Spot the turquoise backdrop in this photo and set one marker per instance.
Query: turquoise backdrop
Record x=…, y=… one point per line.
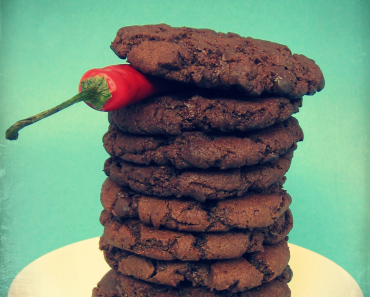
x=52, y=175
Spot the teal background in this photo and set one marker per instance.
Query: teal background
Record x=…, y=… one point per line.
x=52, y=175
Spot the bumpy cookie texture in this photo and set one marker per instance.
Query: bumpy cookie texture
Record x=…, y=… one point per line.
x=197, y=149
x=250, y=211
x=200, y=184
x=236, y=275
x=131, y=235
x=282, y=226
x=162, y=244
x=176, y=113
x=130, y=287
x=217, y=60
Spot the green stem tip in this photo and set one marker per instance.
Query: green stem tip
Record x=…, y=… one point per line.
x=94, y=90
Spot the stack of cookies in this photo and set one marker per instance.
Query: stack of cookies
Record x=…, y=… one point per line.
x=194, y=203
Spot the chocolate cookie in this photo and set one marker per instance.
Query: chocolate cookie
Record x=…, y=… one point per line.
x=274, y=232
x=134, y=236
x=235, y=275
x=200, y=184
x=217, y=60
x=176, y=113
x=130, y=287
x=252, y=210
x=197, y=149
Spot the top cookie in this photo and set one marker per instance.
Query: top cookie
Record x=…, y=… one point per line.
x=216, y=60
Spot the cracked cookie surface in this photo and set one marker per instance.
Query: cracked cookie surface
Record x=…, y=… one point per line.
x=252, y=210
x=197, y=149
x=200, y=184
x=161, y=244
x=235, y=275
x=176, y=113
x=217, y=60
x=131, y=287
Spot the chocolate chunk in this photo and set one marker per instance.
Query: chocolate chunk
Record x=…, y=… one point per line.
x=122, y=207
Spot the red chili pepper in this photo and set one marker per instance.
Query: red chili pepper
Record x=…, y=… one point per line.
x=125, y=84
x=106, y=89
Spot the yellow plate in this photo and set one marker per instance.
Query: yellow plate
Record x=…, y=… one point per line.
x=74, y=270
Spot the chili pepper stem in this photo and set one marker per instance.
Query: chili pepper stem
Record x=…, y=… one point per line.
x=12, y=132
x=94, y=90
